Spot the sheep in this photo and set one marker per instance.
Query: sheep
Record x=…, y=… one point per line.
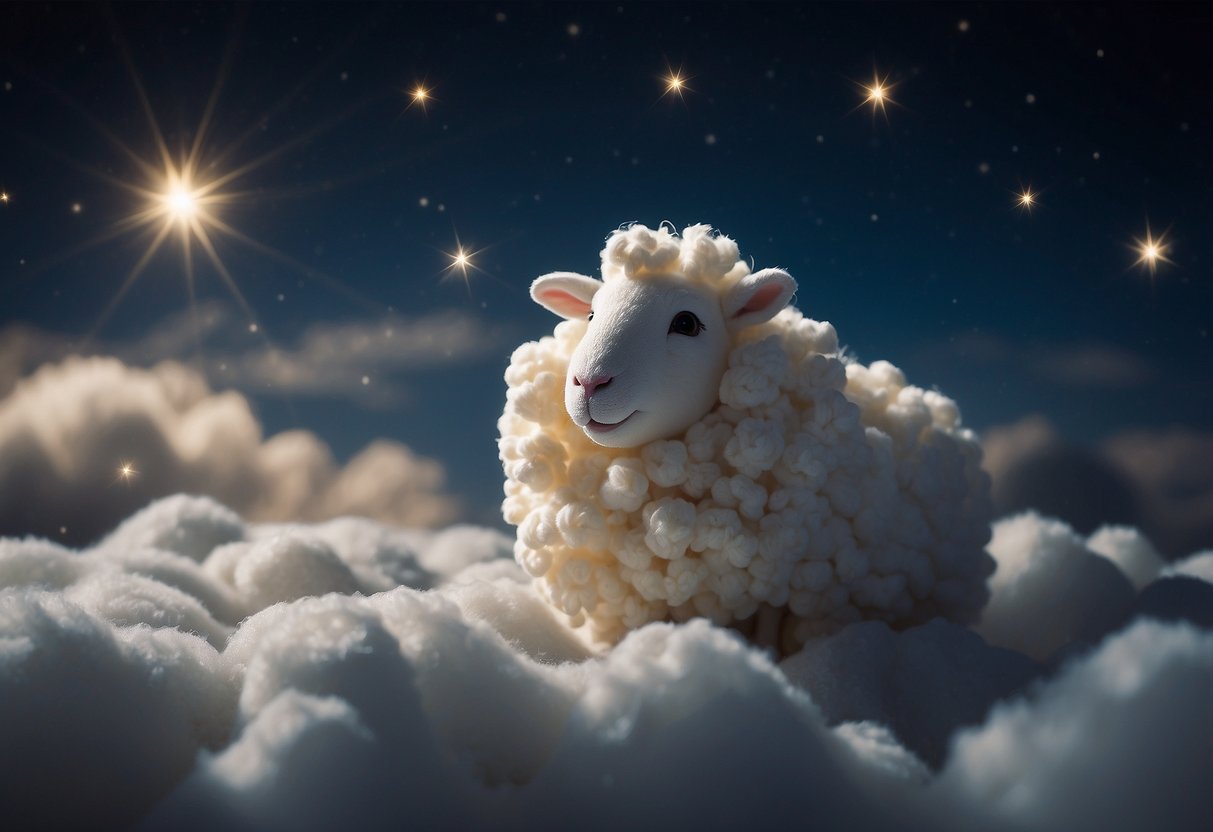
x=687, y=444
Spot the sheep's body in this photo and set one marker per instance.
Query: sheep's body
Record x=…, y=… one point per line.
x=827, y=491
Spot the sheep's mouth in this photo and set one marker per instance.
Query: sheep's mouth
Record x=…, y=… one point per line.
x=602, y=427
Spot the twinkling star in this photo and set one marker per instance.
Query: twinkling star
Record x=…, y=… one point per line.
x=675, y=83
x=126, y=471
x=4, y=197
x=1151, y=251
x=421, y=95
x=1026, y=199
x=878, y=93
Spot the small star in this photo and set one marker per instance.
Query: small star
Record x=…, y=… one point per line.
x=4, y=197
x=1026, y=199
x=421, y=95
x=1151, y=251
x=675, y=83
x=126, y=472
x=877, y=94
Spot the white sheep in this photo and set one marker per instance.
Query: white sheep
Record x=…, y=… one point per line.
x=687, y=444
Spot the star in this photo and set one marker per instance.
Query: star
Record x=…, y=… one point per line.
x=878, y=93
x=675, y=83
x=1026, y=199
x=421, y=95
x=4, y=197
x=126, y=471
x=1151, y=251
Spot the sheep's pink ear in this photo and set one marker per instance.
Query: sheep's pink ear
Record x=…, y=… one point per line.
x=757, y=297
x=565, y=293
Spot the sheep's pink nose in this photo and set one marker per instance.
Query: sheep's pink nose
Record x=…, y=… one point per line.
x=591, y=384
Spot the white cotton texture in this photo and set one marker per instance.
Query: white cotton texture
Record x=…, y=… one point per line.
x=833, y=492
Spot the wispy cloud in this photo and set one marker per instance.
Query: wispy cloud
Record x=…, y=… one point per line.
x=365, y=360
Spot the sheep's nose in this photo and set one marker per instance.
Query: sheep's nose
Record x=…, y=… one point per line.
x=591, y=384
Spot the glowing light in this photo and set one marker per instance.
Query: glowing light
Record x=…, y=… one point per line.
x=420, y=95
x=4, y=197
x=1026, y=199
x=462, y=263
x=181, y=203
x=1151, y=251
x=675, y=83
x=126, y=471
x=877, y=94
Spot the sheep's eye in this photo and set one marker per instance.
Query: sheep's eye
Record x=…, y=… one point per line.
x=685, y=323
x=590, y=316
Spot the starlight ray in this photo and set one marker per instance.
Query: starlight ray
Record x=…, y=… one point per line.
x=877, y=94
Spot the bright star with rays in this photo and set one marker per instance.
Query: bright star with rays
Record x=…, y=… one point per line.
x=462, y=263
x=877, y=94
x=4, y=197
x=1026, y=199
x=675, y=83
x=1151, y=251
x=126, y=471
x=182, y=199
x=421, y=95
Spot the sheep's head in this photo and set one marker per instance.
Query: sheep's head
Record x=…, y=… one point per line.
x=660, y=329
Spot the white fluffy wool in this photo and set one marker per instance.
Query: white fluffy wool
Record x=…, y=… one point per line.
x=832, y=490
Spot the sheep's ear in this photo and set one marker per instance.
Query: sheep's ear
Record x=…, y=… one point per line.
x=565, y=293
x=757, y=297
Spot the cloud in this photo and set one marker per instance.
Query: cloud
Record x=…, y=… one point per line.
x=333, y=359
x=1049, y=590
x=1174, y=473
x=327, y=359
x=65, y=430
x=1160, y=481
x=1120, y=740
x=195, y=671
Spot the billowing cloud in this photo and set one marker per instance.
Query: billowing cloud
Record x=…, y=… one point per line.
x=66, y=430
x=348, y=674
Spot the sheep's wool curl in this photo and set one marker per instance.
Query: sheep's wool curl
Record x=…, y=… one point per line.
x=829, y=490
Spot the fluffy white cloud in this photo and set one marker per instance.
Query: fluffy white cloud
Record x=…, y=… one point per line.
x=65, y=430
x=196, y=671
x=923, y=683
x=1120, y=740
x=1049, y=589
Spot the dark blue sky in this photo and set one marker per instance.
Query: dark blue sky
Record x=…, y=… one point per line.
x=549, y=129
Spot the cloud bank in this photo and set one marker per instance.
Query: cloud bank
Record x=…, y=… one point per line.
x=193, y=670
x=1160, y=481
x=66, y=430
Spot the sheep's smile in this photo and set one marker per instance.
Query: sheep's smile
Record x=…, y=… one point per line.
x=604, y=427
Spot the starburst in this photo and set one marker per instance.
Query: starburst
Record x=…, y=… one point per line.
x=877, y=94
x=4, y=197
x=1026, y=199
x=126, y=471
x=183, y=199
x=420, y=95
x=1151, y=251
x=675, y=83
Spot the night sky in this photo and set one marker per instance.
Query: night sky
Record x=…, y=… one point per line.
x=549, y=125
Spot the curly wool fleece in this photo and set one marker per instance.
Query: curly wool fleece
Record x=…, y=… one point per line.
x=831, y=491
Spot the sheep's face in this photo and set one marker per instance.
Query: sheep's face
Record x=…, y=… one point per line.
x=650, y=363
